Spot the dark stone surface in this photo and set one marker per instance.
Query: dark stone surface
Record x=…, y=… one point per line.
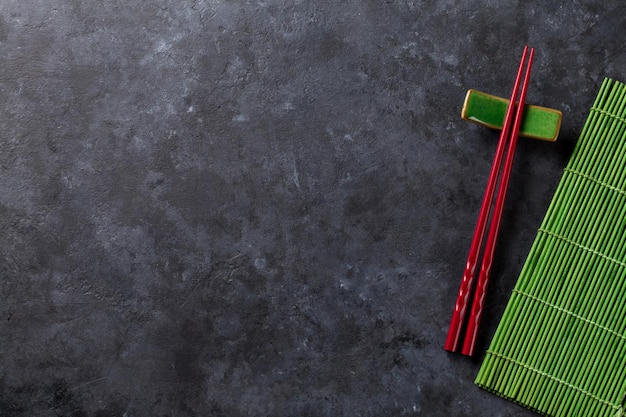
x=262, y=208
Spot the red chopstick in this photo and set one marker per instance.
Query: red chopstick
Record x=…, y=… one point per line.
x=485, y=270
x=454, y=332
x=460, y=308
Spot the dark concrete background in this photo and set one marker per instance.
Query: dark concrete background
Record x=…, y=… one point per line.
x=263, y=208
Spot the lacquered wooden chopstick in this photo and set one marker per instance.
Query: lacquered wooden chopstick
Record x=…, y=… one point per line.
x=460, y=308
x=469, y=344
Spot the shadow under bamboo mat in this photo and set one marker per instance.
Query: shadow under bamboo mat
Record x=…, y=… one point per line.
x=560, y=347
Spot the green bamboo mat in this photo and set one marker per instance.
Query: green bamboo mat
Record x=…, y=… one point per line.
x=560, y=348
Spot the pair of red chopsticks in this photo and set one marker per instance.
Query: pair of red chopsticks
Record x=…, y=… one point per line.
x=507, y=137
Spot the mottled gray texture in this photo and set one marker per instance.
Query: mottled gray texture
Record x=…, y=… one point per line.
x=262, y=208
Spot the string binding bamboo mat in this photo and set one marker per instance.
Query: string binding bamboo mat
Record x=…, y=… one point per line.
x=560, y=347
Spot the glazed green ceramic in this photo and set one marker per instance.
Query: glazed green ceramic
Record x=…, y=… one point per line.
x=488, y=110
